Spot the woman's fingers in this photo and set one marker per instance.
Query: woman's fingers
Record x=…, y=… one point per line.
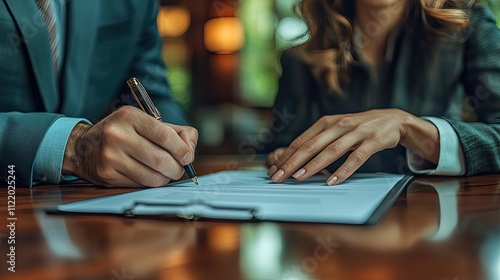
x=304, y=139
x=353, y=162
x=273, y=157
x=331, y=145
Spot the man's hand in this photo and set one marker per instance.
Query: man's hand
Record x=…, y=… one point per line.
x=363, y=133
x=129, y=149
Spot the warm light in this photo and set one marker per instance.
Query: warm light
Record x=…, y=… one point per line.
x=224, y=35
x=224, y=238
x=176, y=53
x=173, y=21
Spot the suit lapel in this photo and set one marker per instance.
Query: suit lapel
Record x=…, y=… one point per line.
x=82, y=28
x=35, y=36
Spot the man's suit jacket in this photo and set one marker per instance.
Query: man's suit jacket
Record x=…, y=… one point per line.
x=106, y=43
x=425, y=79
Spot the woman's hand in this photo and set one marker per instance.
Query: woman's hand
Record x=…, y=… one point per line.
x=363, y=133
x=274, y=156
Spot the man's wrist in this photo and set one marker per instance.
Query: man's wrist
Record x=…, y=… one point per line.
x=74, y=151
x=47, y=165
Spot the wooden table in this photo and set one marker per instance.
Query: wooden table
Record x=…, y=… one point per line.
x=440, y=228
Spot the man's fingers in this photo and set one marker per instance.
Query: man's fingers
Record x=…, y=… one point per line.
x=154, y=157
x=116, y=164
x=188, y=134
x=166, y=137
x=116, y=179
x=141, y=174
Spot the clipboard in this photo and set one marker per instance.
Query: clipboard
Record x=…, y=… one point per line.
x=251, y=196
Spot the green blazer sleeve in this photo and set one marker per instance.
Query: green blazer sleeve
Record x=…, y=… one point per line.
x=481, y=140
x=19, y=140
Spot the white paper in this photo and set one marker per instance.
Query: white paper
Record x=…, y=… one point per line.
x=234, y=194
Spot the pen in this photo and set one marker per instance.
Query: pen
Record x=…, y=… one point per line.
x=142, y=97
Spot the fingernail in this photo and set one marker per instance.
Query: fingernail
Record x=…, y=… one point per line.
x=187, y=159
x=299, y=173
x=278, y=176
x=272, y=170
x=332, y=181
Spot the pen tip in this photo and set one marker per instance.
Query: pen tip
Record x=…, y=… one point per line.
x=195, y=180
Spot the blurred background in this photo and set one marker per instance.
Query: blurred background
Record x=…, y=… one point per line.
x=223, y=65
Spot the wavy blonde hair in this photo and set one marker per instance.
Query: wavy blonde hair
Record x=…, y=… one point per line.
x=330, y=26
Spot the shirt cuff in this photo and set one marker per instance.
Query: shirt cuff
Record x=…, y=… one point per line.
x=451, y=157
x=48, y=162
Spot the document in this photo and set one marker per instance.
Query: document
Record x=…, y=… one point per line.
x=251, y=195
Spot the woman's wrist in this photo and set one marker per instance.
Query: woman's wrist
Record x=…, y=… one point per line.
x=421, y=137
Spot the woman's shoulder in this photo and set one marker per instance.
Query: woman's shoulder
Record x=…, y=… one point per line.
x=482, y=30
x=294, y=55
x=481, y=14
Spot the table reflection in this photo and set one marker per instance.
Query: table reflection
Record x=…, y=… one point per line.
x=54, y=230
x=262, y=251
x=430, y=214
x=132, y=247
x=423, y=229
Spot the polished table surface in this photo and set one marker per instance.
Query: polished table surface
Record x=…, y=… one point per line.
x=439, y=228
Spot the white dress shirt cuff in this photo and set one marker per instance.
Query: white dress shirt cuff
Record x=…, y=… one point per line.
x=451, y=157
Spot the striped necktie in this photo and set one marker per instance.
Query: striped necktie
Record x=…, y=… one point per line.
x=50, y=20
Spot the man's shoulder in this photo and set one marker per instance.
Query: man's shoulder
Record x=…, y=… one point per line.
x=115, y=11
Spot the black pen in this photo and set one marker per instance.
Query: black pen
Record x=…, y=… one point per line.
x=142, y=97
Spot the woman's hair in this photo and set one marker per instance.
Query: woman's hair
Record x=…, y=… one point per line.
x=330, y=25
